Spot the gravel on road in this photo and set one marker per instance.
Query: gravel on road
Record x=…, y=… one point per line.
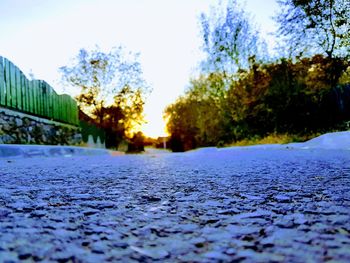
x=244, y=205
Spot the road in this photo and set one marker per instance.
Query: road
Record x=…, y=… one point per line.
x=244, y=205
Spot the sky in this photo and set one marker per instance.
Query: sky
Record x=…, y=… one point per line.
x=40, y=36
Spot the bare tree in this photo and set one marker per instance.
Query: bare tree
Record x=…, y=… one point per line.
x=315, y=26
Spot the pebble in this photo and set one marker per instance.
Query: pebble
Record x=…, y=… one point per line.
x=98, y=247
x=62, y=256
x=251, y=206
x=216, y=255
x=282, y=198
x=154, y=253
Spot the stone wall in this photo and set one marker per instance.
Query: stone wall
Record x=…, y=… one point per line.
x=20, y=128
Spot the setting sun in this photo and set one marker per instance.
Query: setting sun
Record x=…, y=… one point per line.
x=154, y=127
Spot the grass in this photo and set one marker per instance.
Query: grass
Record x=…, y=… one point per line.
x=274, y=139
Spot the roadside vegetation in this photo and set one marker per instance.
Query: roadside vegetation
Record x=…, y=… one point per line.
x=244, y=95
x=110, y=92
x=274, y=139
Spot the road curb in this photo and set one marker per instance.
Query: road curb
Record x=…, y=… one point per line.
x=27, y=151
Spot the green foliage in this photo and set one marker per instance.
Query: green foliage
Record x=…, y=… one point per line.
x=239, y=97
x=229, y=39
x=284, y=97
x=199, y=118
x=111, y=90
x=274, y=138
x=136, y=143
x=315, y=26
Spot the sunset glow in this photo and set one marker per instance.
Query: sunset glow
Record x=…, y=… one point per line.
x=166, y=33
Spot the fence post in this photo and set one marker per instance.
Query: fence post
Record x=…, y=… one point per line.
x=13, y=85
x=23, y=92
x=27, y=92
x=45, y=99
x=18, y=89
x=2, y=83
x=7, y=83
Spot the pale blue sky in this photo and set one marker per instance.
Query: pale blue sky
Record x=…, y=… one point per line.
x=43, y=35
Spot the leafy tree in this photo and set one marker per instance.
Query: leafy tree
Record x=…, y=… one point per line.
x=311, y=27
x=246, y=101
x=200, y=117
x=181, y=117
x=208, y=94
x=110, y=87
x=316, y=26
x=286, y=97
x=345, y=77
x=238, y=96
x=229, y=40
x=136, y=143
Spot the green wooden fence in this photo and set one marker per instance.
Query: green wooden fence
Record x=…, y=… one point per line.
x=35, y=97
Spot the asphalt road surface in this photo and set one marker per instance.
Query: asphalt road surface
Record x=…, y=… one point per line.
x=244, y=205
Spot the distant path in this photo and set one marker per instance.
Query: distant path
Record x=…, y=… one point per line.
x=205, y=206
